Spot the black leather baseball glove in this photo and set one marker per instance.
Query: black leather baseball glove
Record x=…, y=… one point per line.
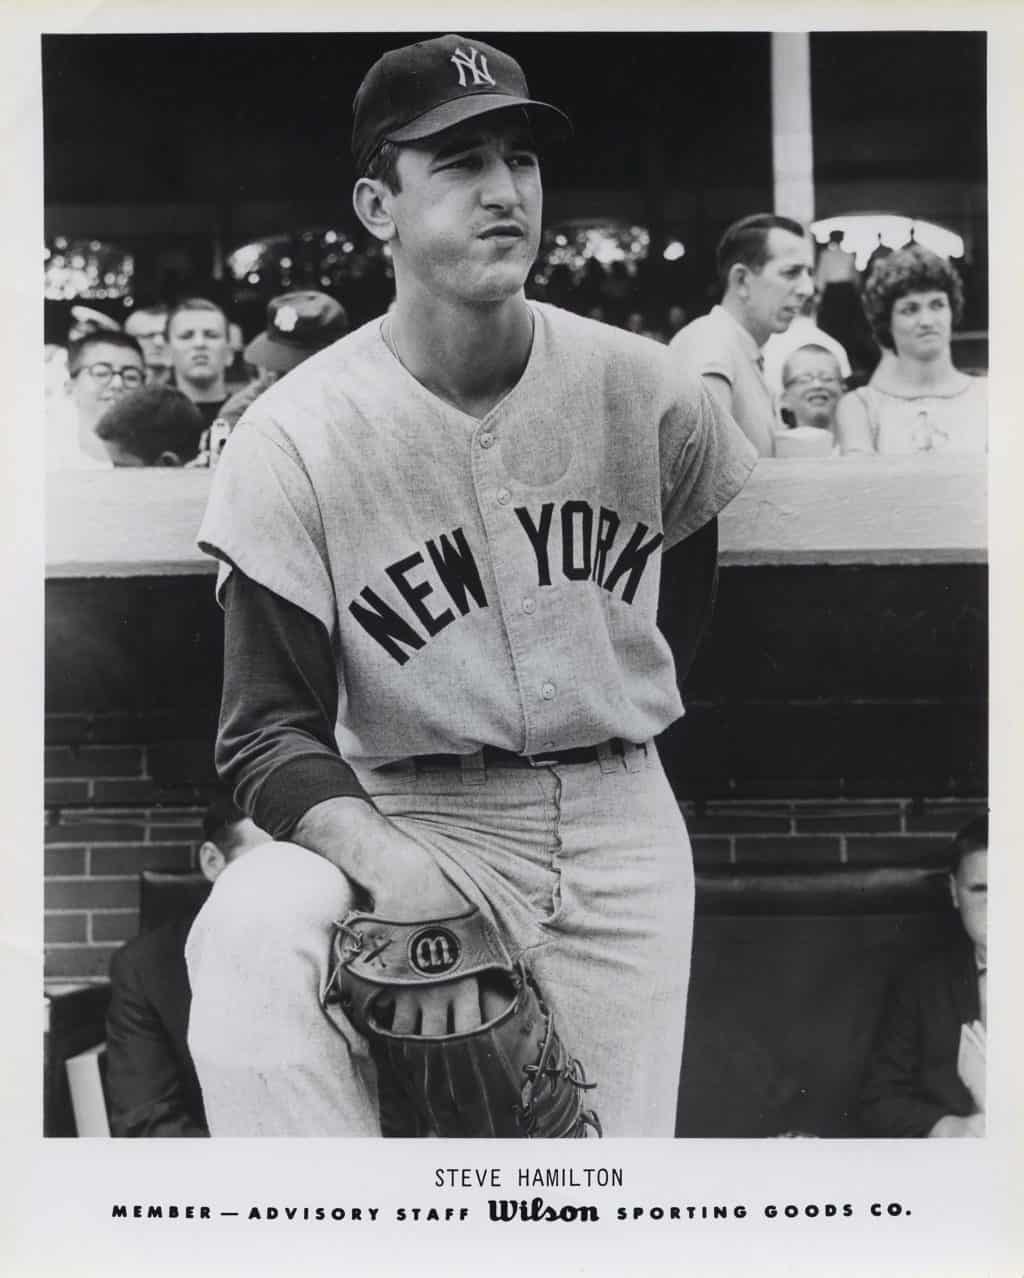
x=509, y=1077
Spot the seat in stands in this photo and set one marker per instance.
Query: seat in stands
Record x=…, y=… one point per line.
x=789, y=977
x=165, y=896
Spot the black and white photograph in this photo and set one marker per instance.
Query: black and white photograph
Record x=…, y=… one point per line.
x=514, y=649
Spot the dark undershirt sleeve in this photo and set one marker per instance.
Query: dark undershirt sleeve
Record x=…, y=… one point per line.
x=689, y=586
x=275, y=744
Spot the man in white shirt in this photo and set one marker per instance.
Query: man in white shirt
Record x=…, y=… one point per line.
x=766, y=268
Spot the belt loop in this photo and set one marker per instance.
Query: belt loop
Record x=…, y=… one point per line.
x=634, y=756
x=609, y=761
x=473, y=770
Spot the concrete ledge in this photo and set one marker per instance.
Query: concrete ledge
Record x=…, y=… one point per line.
x=919, y=510
x=871, y=510
x=125, y=523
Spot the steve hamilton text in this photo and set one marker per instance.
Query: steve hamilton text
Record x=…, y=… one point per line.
x=519, y=1201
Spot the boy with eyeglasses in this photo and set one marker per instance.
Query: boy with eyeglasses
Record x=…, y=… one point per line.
x=102, y=367
x=804, y=331
x=811, y=386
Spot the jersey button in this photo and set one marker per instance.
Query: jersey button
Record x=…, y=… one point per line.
x=547, y=691
x=504, y=496
x=486, y=439
x=529, y=606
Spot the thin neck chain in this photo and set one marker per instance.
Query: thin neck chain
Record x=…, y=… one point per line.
x=387, y=332
x=391, y=342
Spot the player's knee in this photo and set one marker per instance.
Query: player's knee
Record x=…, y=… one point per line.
x=270, y=899
x=257, y=951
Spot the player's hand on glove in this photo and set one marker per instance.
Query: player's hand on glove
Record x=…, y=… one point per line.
x=463, y=1006
x=395, y=875
x=411, y=884
x=399, y=880
x=415, y=888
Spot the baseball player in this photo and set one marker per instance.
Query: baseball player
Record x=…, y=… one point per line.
x=440, y=545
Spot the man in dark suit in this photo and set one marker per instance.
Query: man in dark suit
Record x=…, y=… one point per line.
x=926, y=1074
x=151, y=1083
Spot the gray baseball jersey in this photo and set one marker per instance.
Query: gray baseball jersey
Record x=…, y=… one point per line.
x=484, y=581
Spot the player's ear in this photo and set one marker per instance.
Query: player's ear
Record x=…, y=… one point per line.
x=169, y=458
x=211, y=860
x=371, y=200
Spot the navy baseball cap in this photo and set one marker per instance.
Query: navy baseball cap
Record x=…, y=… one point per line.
x=298, y=325
x=421, y=89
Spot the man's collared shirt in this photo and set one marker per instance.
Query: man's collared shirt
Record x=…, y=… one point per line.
x=718, y=344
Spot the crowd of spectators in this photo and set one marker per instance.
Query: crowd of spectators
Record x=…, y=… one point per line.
x=166, y=389
x=846, y=363
x=785, y=357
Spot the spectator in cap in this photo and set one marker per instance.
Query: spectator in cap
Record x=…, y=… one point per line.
x=85, y=321
x=154, y=426
x=298, y=325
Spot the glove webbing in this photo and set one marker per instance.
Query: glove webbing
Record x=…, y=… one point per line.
x=545, y=1073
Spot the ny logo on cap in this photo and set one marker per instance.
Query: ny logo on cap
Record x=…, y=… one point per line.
x=475, y=63
x=286, y=319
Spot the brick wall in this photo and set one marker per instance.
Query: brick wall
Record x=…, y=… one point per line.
x=809, y=834
x=836, y=715
x=108, y=817
x=113, y=810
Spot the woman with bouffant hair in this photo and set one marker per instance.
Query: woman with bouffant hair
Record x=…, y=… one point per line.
x=916, y=400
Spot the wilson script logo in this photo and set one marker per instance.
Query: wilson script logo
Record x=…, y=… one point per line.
x=508, y=1209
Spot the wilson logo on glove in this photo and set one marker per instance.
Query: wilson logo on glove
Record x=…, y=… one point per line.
x=434, y=951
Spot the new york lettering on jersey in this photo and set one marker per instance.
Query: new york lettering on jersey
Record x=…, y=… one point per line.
x=513, y=583
x=587, y=546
